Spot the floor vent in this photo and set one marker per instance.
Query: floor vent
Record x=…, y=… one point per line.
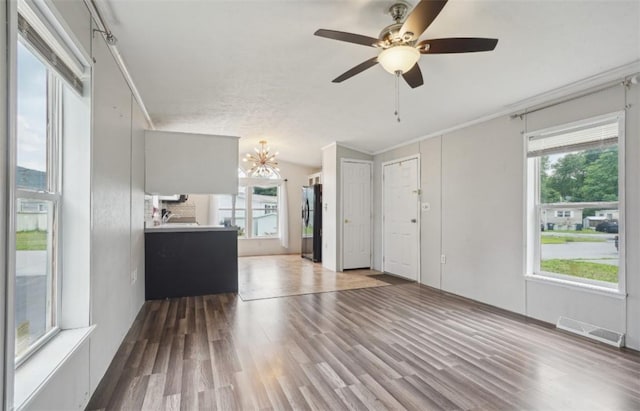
x=591, y=331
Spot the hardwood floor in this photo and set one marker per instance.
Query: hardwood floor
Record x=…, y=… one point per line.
x=286, y=275
x=395, y=347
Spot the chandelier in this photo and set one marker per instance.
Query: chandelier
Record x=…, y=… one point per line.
x=263, y=163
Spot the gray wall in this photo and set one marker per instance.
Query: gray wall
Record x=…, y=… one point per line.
x=117, y=217
x=3, y=186
x=468, y=174
x=632, y=228
x=114, y=300
x=329, y=207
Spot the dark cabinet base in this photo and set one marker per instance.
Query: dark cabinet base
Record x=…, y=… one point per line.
x=190, y=263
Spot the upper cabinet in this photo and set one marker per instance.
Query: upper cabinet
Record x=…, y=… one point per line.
x=178, y=163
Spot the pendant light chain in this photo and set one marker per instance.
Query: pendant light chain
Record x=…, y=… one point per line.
x=397, y=112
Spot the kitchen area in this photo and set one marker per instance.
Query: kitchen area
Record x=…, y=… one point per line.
x=183, y=257
x=193, y=240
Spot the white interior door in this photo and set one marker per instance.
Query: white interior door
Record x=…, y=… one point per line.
x=400, y=219
x=356, y=212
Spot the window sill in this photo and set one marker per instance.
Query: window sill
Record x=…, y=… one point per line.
x=590, y=288
x=258, y=238
x=35, y=372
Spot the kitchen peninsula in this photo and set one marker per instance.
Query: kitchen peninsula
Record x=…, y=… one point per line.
x=189, y=260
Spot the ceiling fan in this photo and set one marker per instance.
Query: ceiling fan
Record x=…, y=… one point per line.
x=398, y=43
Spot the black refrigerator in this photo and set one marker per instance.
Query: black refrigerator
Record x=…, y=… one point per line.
x=312, y=222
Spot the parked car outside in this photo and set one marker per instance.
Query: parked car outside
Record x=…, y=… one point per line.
x=608, y=227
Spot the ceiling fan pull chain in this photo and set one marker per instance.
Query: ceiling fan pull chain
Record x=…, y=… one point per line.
x=397, y=112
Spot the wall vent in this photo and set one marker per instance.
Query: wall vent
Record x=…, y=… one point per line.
x=591, y=331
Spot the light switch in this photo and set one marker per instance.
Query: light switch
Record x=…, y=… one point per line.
x=426, y=206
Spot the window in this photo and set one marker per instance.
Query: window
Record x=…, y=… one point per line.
x=264, y=211
x=564, y=213
x=255, y=210
x=573, y=193
x=37, y=199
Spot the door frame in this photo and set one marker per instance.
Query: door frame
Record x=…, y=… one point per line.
x=419, y=222
x=341, y=209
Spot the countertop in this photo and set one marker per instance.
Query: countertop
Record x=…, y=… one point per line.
x=186, y=227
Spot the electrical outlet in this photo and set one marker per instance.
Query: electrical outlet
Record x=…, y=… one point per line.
x=426, y=206
x=134, y=276
x=443, y=259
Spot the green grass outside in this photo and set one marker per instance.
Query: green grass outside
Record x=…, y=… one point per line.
x=551, y=239
x=31, y=240
x=582, y=269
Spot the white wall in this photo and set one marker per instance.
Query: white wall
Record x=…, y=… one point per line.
x=476, y=170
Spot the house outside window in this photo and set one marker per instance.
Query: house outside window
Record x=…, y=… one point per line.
x=38, y=202
x=573, y=192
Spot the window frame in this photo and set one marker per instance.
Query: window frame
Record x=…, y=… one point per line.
x=53, y=194
x=533, y=216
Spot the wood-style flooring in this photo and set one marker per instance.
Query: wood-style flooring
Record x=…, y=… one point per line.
x=284, y=275
x=395, y=347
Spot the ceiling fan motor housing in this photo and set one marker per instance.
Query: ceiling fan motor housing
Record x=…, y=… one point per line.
x=390, y=35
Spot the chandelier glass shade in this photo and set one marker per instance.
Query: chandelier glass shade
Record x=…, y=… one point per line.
x=263, y=162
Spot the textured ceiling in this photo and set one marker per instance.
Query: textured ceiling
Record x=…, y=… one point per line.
x=254, y=69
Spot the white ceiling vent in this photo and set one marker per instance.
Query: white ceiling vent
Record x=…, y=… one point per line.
x=591, y=331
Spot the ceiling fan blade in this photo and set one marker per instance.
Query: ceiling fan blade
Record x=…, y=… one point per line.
x=348, y=37
x=356, y=70
x=421, y=17
x=413, y=77
x=456, y=45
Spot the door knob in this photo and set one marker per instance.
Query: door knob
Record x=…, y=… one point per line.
x=413, y=220
x=346, y=221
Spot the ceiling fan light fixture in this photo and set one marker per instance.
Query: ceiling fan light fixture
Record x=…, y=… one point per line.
x=398, y=58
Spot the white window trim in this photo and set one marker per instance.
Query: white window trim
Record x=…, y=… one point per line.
x=34, y=375
x=532, y=227
x=64, y=340
x=579, y=286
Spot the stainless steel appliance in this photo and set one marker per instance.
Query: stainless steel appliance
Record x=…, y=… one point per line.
x=312, y=222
